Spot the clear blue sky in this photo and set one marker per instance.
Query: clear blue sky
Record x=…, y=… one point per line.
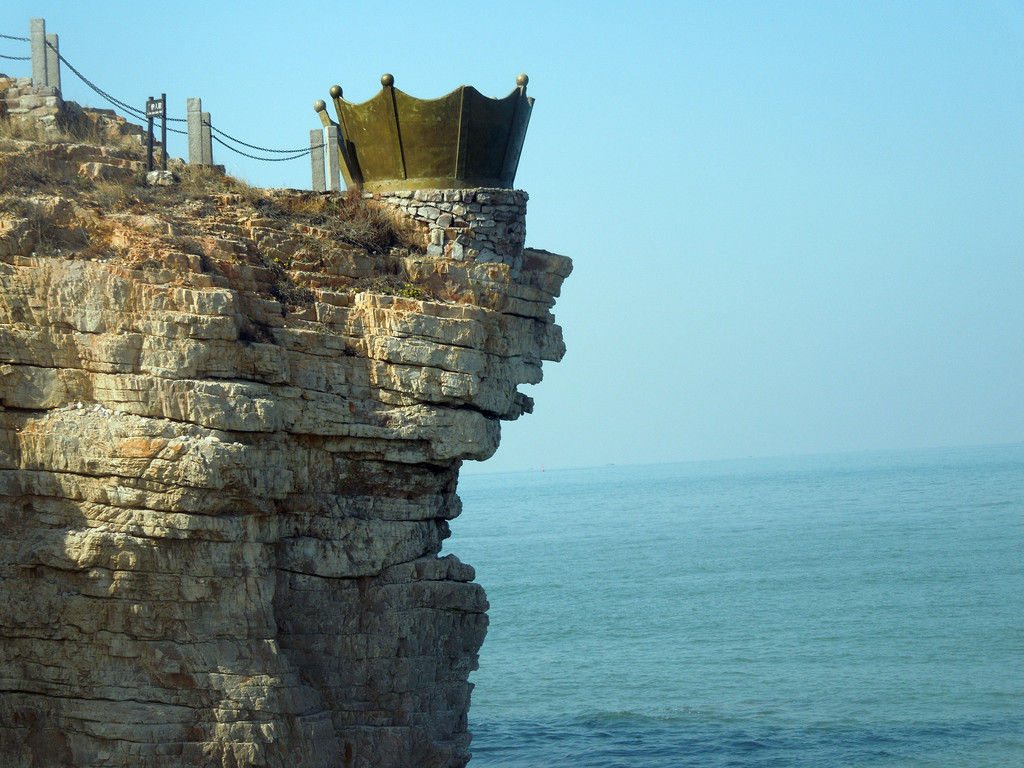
x=797, y=226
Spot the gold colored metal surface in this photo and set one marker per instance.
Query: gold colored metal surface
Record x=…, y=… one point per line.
x=395, y=141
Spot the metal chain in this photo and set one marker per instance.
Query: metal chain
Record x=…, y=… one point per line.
x=253, y=146
x=136, y=113
x=264, y=159
x=15, y=58
x=139, y=114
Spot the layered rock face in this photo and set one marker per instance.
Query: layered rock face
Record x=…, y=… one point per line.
x=228, y=459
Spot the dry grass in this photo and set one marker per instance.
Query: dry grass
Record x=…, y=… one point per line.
x=28, y=171
x=344, y=218
x=21, y=130
x=328, y=226
x=79, y=130
x=350, y=219
x=36, y=169
x=31, y=172
x=89, y=131
x=247, y=194
x=109, y=195
x=49, y=235
x=290, y=293
x=390, y=285
x=196, y=181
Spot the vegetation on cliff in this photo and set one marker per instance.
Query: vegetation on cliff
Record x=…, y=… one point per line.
x=79, y=195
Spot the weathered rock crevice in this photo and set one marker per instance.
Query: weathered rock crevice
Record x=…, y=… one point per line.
x=229, y=453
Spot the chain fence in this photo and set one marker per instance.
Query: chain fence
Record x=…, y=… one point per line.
x=138, y=114
x=15, y=58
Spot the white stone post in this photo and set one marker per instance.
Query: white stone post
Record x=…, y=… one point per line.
x=53, y=62
x=193, y=121
x=37, y=38
x=316, y=160
x=207, y=139
x=200, y=139
x=333, y=168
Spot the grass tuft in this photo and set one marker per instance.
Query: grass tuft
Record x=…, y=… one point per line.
x=350, y=219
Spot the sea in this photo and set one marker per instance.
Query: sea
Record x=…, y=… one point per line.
x=846, y=610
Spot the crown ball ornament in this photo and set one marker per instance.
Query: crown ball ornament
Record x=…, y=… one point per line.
x=395, y=141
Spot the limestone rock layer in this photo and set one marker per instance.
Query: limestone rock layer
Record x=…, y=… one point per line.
x=229, y=451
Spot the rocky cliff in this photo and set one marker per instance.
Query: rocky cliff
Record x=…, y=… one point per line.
x=231, y=429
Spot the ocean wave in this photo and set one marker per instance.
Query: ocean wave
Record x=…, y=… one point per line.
x=686, y=740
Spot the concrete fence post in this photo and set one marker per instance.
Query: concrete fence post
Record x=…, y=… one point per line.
x=316, y=159
x=207, y=139
x=37, y=39
x=53, y=61
x=333, y=168
x=200, y=139
x=193, y=122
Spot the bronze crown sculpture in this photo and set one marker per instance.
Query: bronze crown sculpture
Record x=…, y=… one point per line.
x=395, y=141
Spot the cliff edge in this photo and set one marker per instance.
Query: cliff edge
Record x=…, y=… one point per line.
x=231, y=428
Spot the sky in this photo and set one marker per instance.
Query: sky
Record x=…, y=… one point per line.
x=797, y=227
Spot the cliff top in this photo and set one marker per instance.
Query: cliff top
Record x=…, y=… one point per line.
x=86, y=195
x=77, y=188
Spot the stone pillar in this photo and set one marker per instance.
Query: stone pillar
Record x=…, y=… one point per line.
x=37, y=38
x=316, y=160
x=193, y=120
x=333, y=168
x=200, y=138
x=207, y=134
x=53, y=62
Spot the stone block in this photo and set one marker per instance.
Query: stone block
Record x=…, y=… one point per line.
x=487, y=256
x=44, y=114
x=316, y=159
x=331, y=139
x=193, y=119
x=37, y=41
x=161, y=179
x=53, y=62
x=206, y=128
x=105, y=171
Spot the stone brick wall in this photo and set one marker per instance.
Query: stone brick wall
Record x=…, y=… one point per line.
x=23, y=101
x=476, y=225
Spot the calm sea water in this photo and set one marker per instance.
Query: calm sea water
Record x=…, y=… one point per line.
x=854, y=610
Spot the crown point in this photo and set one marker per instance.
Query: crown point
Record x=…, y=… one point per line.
x=522, y=79
x=319, y=105
x=335, y=91
x=387, y=80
